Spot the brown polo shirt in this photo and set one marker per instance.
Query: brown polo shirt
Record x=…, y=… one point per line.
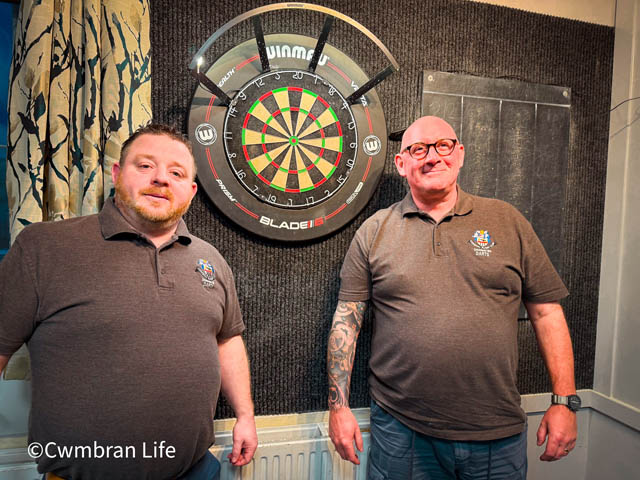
x=445, y=299
x=123, y=342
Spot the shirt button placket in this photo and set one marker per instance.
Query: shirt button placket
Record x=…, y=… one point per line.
x=436, y=241
x=163, y=280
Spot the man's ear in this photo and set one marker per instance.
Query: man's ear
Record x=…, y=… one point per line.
x=399, y=161
x=461, y=155
x=115, y=172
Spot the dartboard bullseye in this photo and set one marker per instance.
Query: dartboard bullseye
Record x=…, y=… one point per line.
x=298, y=139
x=290, y=142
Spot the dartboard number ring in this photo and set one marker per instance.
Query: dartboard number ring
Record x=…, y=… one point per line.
x=298, y=140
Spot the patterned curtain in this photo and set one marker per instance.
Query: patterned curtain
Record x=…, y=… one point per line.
x=79, y=86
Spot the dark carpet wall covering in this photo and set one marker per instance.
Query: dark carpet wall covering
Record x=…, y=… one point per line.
x=288, y=292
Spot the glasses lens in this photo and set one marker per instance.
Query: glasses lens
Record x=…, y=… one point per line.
x=445, y=146
x=418, y=150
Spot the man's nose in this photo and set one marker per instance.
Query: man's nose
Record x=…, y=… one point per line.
x=161, y=176
x=432, y=155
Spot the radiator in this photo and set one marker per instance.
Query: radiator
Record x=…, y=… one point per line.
x=301, y=451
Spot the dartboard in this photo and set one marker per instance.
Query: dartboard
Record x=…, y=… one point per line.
x=295, y=139
x=286, y=144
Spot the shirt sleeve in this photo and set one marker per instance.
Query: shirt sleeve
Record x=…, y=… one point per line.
x=541, y=282
x=232, y=323
x=355, y=274
x=18, y=299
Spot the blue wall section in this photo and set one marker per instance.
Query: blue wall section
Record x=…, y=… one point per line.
x=8, y=12
x=7, y=17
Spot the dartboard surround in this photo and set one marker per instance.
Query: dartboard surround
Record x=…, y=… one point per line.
x=289, y=158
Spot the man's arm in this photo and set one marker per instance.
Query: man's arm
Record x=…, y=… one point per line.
x=236, y=387
x=559, y=423
x=343, y=427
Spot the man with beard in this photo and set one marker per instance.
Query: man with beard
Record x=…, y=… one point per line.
x=445, y=272
x=133, y=326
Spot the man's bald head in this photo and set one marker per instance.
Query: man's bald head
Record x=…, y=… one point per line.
x=428, y=126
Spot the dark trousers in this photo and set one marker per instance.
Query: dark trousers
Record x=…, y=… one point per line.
x=399, y=453
x=207, y=468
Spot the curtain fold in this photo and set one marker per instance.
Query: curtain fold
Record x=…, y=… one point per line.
x=80, y=84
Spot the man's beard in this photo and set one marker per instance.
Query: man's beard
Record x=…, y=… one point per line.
x=168, y=217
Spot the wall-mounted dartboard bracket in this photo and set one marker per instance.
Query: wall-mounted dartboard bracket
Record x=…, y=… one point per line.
x=288, y=132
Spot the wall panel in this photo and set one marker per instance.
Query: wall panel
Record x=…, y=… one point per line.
x=288, y=292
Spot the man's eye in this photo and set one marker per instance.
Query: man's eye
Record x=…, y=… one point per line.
x=444, y=145
x=177, y=174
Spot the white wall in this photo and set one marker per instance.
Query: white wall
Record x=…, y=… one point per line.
x=615, y=438
x=613, y=450
x=601, y=12
x=618, y=337
x=15, y=397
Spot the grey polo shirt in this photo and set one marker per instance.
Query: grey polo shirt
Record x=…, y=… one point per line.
x=123, y=342
x=445, y=299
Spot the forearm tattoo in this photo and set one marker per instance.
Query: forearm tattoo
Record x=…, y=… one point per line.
x=347, y=321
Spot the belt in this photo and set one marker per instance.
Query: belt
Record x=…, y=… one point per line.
x=53, y=476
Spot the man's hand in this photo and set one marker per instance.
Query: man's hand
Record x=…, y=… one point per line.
x=343, y=430
x=4, y=359
x=560, y=427
x=245, y=441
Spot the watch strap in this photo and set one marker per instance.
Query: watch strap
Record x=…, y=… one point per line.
x=559, y=400
x=572, y=402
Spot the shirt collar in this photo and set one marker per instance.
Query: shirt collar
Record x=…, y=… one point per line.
x=464, y=202
x=463, y=206
x=113, y=224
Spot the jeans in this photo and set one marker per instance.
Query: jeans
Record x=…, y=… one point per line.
x=207, y=468
x=399, y=453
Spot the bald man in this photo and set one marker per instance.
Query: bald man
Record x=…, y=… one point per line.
x=445, y=272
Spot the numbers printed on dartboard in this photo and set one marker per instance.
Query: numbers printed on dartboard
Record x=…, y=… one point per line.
x=296, y=138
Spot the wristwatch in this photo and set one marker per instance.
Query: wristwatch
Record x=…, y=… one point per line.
x=572, y=402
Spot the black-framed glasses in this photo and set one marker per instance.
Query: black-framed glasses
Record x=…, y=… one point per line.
x=443, y=147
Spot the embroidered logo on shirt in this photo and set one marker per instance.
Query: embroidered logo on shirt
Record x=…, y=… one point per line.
x=205, y=269
x=482, y=243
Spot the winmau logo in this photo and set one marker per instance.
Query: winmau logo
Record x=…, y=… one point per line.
x=295, y=51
